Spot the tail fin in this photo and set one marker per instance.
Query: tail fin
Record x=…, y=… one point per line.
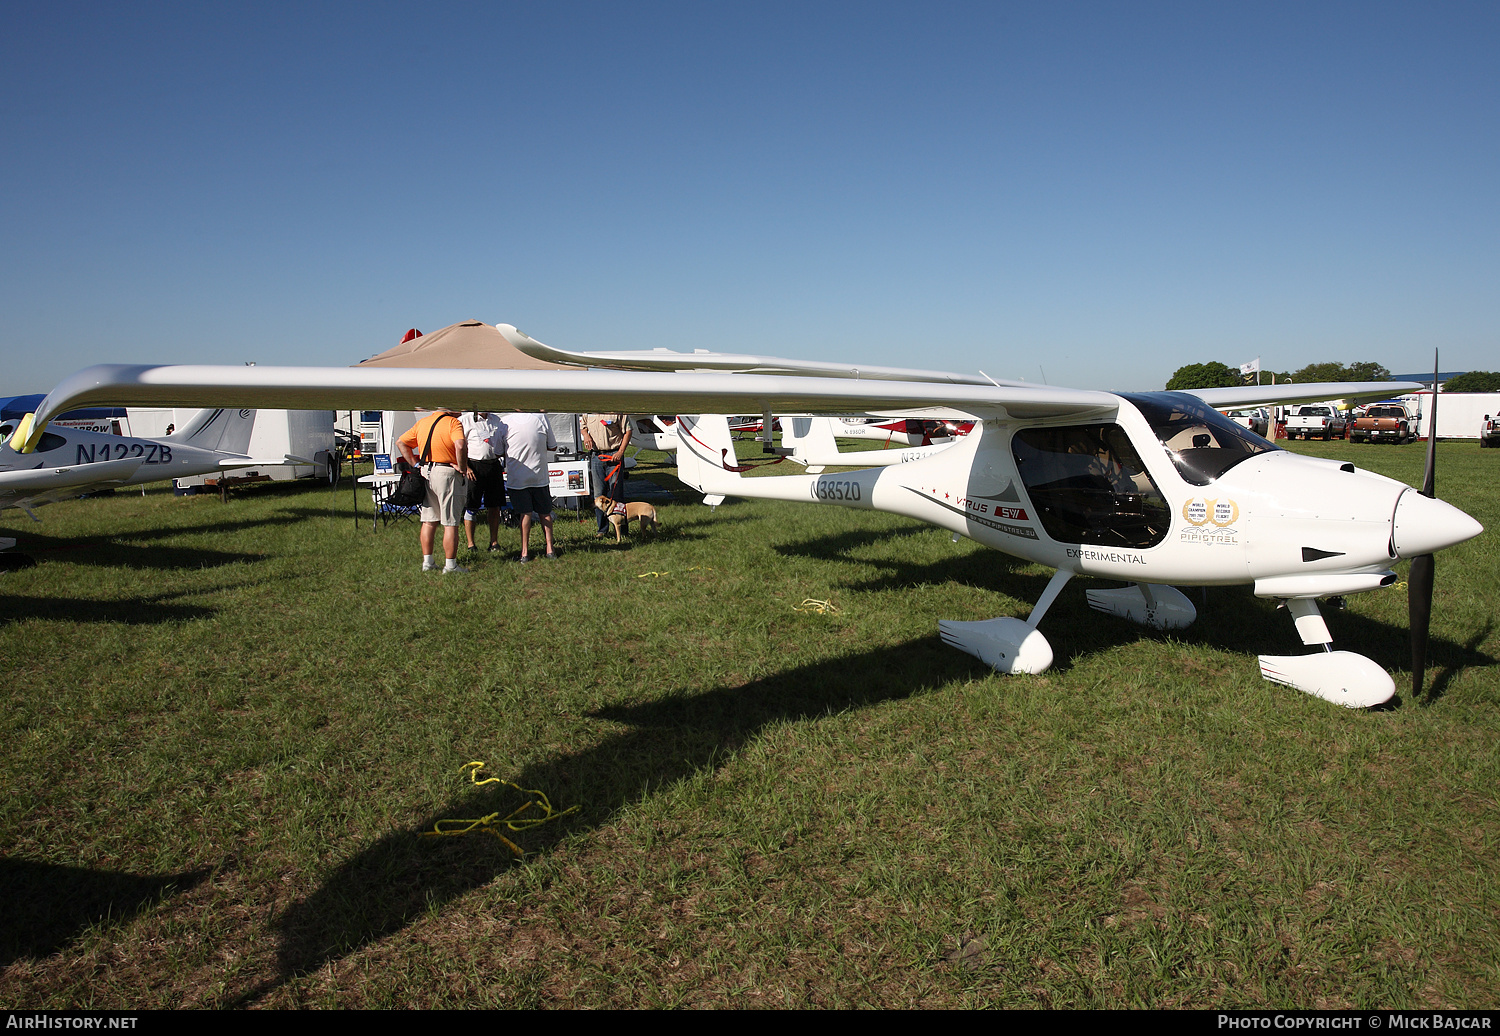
x=224, y=431
x=811, y=441
x=705, y=456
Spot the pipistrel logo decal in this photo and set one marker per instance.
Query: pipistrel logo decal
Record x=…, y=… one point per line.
x=1210, y=521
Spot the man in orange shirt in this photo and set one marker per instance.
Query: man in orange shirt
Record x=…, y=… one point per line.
x=445, y=462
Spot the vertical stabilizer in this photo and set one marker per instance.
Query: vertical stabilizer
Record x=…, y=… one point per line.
x=705, y=455
x=811, y=441
x=222, y=430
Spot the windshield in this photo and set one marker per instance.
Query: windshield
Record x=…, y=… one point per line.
x=1385, y=411
x=1202, y=442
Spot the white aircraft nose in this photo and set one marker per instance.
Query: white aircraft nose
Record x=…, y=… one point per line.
x=1422, y=525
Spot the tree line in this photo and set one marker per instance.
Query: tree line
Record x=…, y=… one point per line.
x=1221, y=375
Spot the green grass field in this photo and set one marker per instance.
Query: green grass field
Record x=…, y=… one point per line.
x=225, y=725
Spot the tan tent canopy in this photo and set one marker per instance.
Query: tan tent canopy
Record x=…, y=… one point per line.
x=469, y=345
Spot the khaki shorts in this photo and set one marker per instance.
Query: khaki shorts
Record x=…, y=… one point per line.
x=445, y=495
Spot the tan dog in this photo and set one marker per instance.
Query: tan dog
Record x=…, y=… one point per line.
x=621, y=521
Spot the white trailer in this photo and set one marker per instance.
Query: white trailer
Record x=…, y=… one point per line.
x=1460, y=415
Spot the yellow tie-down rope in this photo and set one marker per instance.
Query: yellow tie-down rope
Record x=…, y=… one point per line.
x=495, y=820
x=812, y=604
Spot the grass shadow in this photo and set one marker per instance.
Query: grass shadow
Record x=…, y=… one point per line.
x=119, y=555
x=48, y=906
x=1449, y=660
x=45, y=541
x=988, y=569
x=130, y=611
x=404, y=875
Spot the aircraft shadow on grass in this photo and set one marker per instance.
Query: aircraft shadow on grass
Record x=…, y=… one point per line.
x=404, y=875
x=129, y=611
x=132, y=549
x=670, y=532
x=48, y=906
x=1230, y=618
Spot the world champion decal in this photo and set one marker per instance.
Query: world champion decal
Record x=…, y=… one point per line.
x=1210, y=522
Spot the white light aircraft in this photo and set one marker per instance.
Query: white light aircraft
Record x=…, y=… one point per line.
x=68, y=462
x=902, y=431
x=809, y=439
x=1156, y=488
x=653, y=432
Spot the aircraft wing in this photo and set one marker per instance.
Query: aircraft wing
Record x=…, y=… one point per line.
x=398, y=388
x=1312, y=392
x=71, y=478
x=740, y=363
x=703, y=360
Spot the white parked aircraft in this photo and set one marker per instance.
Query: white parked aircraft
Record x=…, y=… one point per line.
x=809, y=439
x=1156, y=488
x=653, y=432
x=68, y=462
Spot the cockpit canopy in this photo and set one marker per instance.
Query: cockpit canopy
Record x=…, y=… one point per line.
x=1202, y=442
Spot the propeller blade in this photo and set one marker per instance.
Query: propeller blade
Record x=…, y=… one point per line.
x=1423, y=566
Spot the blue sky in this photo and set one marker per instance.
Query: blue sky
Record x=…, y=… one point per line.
x=1097, y=192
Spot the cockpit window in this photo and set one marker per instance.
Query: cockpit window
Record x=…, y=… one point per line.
x=1202, y=442
x=1088, y=485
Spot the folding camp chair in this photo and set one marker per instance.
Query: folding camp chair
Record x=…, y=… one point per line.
x=380, y=494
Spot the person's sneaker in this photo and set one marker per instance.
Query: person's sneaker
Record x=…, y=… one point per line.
x=552, y=554
x=494, y=548
x=429, y=566
x=525, y=559
x=455, y=568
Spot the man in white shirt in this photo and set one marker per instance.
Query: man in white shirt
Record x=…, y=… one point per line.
x=529, y=448
x=485, y=433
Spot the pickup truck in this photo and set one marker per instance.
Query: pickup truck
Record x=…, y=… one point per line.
x=1489, y=432
x=1257, y=420
x=1386, y=422
x=1320, y=421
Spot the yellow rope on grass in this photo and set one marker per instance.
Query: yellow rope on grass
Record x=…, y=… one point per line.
x=812, y=604
x=512, y=821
